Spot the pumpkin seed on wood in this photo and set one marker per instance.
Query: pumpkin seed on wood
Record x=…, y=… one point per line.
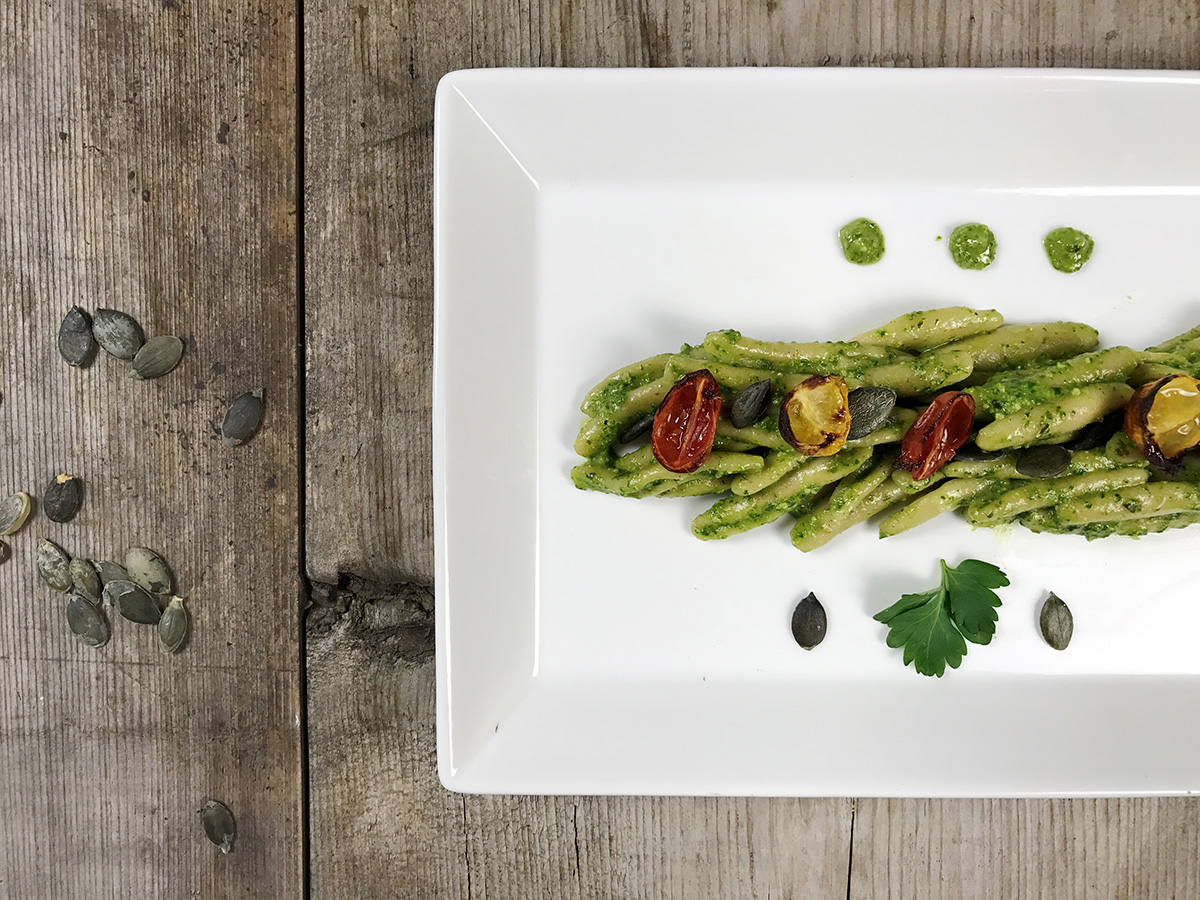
x=119, y=334
x=243, y=418
x=750, y=404
x=63, y=498
x=54, y=565
x=1057, y=622
x=148, y=570
x=218, y=824
x=76, y=343
x=809, y=622
x=86, y=622
x=173, y=626
x=14, y=510
x=132, y=602
x=5, y=552
x=157, y=357
x=110, y=572
x=1043, y=462
x=86, y=579
x=869, y=408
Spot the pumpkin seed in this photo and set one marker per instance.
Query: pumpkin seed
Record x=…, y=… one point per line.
x=14, y=510
x=1057, y=622
x=243, y=418
x=119, y=334
x=63, y=498
x=1043, y=462
x=54, y=566
x=157, y=357
x=5, y=552
x=218, y=824
x=86, y=579
x=173, y=626
x=110, y=572
x=132, y=602
x=869, y=408
x=1098, y=433
x=809, y=622
x=750, y=404
x=636, y=430
x=970, y=452
x=148, y=570
x=86, y=622
x=76, y=343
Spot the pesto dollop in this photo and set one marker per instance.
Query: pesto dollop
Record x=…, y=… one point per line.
x=862, y=242
x=1068, y=249
x=972, y=246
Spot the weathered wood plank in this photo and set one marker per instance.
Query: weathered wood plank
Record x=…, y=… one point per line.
x=1066, y=849
x=147, y=164
x=381, y=823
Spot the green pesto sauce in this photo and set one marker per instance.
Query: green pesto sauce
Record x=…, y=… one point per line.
x=1068, y=249
x=862, y=242
x=972, y=246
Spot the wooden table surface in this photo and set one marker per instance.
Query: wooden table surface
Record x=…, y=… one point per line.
x=256, y=178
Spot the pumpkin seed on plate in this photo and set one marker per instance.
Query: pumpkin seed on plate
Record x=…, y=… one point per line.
x=809, y=622
x=1043, y=462
x=173, y=626
x=14, y=510
x=132, y=602
x=243, y=418
x=970, y=452
x=86, y=622
x=76, y=343
x=86, y=579
x=110, y=572
x=1056, y=622
x=157, y=357
x=218, y=824
x=63, y=498
x=119, y=334
x=54, y=566
x=148, y=570
x=636, y=430
x=869, y=408
x=750, y=404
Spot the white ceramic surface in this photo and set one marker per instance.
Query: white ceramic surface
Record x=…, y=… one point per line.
x=585, y=219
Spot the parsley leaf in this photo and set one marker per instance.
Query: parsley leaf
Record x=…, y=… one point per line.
x=931, y=626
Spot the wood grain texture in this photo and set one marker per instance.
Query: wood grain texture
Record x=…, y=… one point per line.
x=382, y=826
x=147, y=164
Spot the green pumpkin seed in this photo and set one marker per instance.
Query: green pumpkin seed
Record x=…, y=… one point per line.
x=54, y=566
x=218, y=824
x=86, y=580
x=86, y=622
x=636, y=430
x=110, y=572
x=76, y=343
x=157, y=357
x=869, y=408
x=14, y=510
x=63, y=498
x=147, y=569
x=750, y=404
x=1043, y=462
x=1057, y=622
x=173, y=626
x=809, y=622
x=118, y=333
x=132, y=602
x=5, y=552
x=243, y=418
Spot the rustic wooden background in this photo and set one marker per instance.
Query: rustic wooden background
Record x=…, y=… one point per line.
x=151, y=159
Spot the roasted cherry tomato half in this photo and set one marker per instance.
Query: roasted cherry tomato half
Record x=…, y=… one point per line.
x=815, y=416
x=1163, y=419
x=930, y=441
x=686, y=422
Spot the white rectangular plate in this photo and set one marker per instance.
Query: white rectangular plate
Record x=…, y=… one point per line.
x=586, y=219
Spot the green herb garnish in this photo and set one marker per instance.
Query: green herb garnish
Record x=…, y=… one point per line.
x=931, y=626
